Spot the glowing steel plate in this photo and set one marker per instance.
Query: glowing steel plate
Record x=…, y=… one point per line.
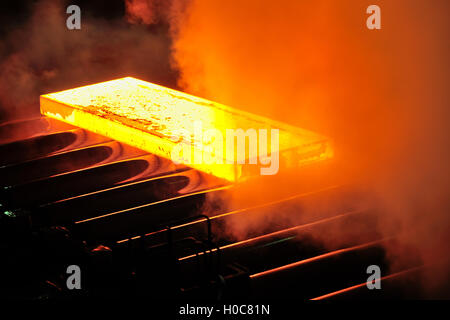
x=155, y=118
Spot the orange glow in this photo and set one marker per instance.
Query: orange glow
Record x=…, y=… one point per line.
x=316, y=258
x=155, y=203
x=361, y=285
x=269, y=235
x=154, y=118
x=239, y=211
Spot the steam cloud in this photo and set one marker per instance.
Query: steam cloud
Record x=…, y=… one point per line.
x=381, y=95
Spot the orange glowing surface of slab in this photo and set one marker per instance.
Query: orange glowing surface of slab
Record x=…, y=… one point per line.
x=162, y=120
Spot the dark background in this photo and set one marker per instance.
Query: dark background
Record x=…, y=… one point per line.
x=38, y=54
